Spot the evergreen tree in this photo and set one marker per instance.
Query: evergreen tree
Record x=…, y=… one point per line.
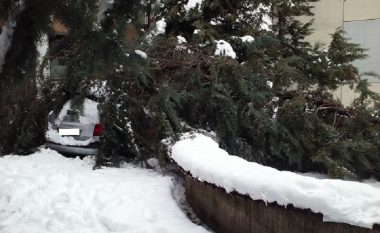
x=22, y=113
x=102, y=51
x=239, y=68
x=7, y=9
x=296, y=124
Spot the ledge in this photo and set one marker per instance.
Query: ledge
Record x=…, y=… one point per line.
x=235, y=213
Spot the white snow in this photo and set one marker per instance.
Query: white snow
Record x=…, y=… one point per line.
x=181, y=44
x=160, y=26
x=215, y=22
x=99, y=88
x=181, y=39
x=261, y=12
x=339, y=201
x=141, y=53
x=269, y=83
x=42, y=49
x=90, y=115
x=66, y=107
x=6, y=40
x=191, y=4
x=223, y=48
x=46, y=192
x=247, y=39
x=266, y=19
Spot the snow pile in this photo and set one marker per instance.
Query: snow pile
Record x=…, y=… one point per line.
x=6, y=40
x=339, y=201
x=46, y=192
x=191, y=4
x=223, y=48
x=141, y=54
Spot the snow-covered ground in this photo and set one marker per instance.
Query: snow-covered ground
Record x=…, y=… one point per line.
x=46, y=192
x=356, y=203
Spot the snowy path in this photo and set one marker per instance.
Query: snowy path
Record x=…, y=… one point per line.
x=46, y=192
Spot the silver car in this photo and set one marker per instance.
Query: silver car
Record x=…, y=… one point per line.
x=75, y=133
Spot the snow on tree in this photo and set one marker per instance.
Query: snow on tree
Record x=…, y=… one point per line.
x=170, y=66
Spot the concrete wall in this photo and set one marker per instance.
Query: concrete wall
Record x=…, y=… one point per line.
x=235, y=213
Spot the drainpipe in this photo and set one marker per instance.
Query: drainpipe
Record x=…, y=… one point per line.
x=343, y=14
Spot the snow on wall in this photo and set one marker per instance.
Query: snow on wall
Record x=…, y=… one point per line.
x=6, y=40
x=339, y=201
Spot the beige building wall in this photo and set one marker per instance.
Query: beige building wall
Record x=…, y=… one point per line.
x=346, y=95
x=332, y=14
x=361, y=9
x=328, y=17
